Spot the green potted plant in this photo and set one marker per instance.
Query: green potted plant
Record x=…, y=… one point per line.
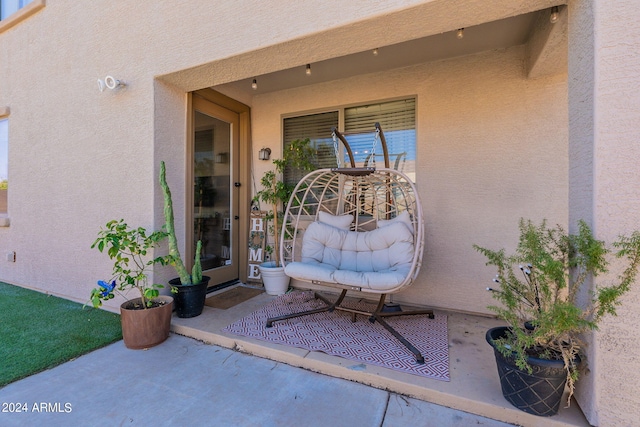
x=191, y=289
x=547, y=310
x=146, y=320
x=276, y=192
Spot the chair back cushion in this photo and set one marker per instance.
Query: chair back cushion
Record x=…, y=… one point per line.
x=388, y=247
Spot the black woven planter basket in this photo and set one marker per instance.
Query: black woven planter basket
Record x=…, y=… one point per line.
x=538, y=393
x=189, y=301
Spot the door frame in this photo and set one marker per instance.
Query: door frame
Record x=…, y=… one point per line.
x=243, y=173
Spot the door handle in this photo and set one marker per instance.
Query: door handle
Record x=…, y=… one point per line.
x=236, y=217
x=236, y=184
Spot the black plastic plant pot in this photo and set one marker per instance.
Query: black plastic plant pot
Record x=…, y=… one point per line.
x=539, y=392
x=190, y=299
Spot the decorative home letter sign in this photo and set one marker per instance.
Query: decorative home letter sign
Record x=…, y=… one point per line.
x=256, y=245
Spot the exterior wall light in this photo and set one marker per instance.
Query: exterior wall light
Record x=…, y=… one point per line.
x=110, y=83
x=264, y=153
x=221, y=158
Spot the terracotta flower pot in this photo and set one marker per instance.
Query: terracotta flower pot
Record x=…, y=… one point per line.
x=145, y=328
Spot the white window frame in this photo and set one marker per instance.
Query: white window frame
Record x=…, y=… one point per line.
x=4, y=216
x=21, y=14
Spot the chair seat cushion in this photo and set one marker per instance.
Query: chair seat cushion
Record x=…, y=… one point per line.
x=310, y=271
x=375, y=280
x=379, y=259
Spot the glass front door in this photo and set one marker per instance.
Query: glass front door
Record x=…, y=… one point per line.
x=214, y=193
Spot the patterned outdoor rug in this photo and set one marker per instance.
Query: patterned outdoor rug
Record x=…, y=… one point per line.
x=362, y=341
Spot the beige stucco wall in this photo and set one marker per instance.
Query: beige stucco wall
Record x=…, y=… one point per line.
x=79, y=157
x=604, y=100
x=491, y=148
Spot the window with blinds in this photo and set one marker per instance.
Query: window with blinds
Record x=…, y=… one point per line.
x=397, y=120
x=316, y=127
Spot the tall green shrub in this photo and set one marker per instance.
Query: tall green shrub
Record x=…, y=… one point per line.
x=539, y=288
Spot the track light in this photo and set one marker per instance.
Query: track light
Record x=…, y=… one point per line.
x=375, y=52
x=554, y=15
x=460, y=33
x=308, y=70
x=254, y=84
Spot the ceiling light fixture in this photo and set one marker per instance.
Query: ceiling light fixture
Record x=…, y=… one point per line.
x=308, y=71
x=554, y=15
x=460, y=33
x=254, y=84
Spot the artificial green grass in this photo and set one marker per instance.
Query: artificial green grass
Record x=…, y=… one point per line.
x=39, y=331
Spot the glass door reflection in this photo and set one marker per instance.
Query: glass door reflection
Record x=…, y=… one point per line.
x=212, y=193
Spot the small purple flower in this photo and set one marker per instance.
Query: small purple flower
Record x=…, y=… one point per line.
x=107, y=288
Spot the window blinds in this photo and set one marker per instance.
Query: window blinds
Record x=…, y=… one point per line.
x=398, y=122
x=316, y=127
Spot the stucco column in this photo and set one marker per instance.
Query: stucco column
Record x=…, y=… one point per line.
x=604, y=185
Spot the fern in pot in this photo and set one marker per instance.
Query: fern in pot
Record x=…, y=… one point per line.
x=543, y=300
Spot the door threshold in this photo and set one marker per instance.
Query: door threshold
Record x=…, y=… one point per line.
x=224, y=285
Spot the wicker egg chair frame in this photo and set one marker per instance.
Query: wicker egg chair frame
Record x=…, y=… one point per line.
x=371, y=197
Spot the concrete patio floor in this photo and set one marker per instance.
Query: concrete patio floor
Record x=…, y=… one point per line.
x=184, y=382
x=474, y=386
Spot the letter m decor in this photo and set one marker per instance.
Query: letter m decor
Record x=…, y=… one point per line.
x=256, y=245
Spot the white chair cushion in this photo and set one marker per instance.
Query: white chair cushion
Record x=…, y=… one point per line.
x=378, y=259
x=310, y=271
x=403, y=218
x=339, y=221
x=378, y=280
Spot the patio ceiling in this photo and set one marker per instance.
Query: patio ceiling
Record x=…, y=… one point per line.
x=489, y=36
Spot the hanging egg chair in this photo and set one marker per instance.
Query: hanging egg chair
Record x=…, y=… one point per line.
x=355, y=228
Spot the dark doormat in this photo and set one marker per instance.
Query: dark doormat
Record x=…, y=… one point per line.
x=235, y=296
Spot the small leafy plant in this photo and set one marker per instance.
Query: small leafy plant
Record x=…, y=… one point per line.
x=298, y=155
x=129, y=248
x=540, y=291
